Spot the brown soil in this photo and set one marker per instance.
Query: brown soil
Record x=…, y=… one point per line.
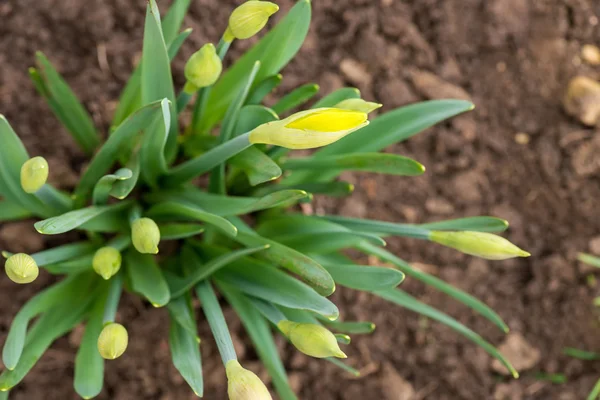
x=513, y=58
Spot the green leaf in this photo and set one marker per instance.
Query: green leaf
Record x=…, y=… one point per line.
x=122, y=188
x=146, y=278
x=227, y=205
x=380, y=227
x=12, y=212
x=403, y=299
x=173, y=20
x=337, y=96
x=478, y=224
x=260, y=334
x=595, y=393
x=109, y=152
x=152, y=152
x=114, y=220
x=438, y=284
x=201, y=271
x=157, y=84
x=263, y=88
x=183, y=343
x=362, y=277
x=274, y=51
x=581, y=354
x=63, y=253
x=4, y=395
x=12, y=157
x=188, y=211
x=351, y=328
x=176, y=231
x=589, y=259
x=105, y=185
x=296, y=98
x=84, y=263
x=89, y=364
x=65, y=104
x=74, y=219
x=392, y=127
x=306, y=268
x=382, y=163
x=273, y=285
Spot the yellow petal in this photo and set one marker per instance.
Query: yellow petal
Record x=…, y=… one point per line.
x=329, y=120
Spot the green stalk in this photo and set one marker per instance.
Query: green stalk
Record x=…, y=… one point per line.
x=207, y=161
x=112, y=300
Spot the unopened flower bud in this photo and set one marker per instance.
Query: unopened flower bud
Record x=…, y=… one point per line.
x=478, y=244
x=107, y=262
x=249, y=18
x=202, y=69
x=358, y=105
x=34, y=174
x=21, y=268
x=113, y=341
x=312, y=339
x=243, y=384
x=145, y=235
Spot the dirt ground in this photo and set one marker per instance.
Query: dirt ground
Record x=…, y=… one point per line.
x=517, y=156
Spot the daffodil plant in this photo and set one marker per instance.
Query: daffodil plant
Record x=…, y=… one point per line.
x=149, y=226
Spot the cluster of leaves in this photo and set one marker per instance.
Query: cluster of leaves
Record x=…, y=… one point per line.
x=276, y=264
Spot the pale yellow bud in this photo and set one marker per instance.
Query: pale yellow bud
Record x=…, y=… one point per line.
x=243, y=384
x=478, y=244
x=203, y=68
x=34, y=174
x=112, y=341
x=358, y=105
x=145, y=235
x=107, y=262
x=310, y=129
x=311, y=339
x=249, y=18
x=21, y=268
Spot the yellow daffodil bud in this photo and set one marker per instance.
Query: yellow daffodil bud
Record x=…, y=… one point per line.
x=358, y=105
x=21, y=268
x=202, y=69
x=145, y=235
x=310, y=129
x=112, y=341
x=243, y=384
x=478, y=244
x=249, y=18
x=107, y=262
x=34, y=174
x=311, y=339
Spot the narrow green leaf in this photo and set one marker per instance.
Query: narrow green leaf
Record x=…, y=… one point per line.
x=478, y=224
x=173, y=20
x=157, y=84
x=351, y=328
x=589, y=259
x=268, y=310
x=122, y=188
x=595, y=393
x=263, y=88
x=296, y=98
x=84, y=263
x=181, y=210
x=201, y=271
x=146, y=278
x=109, y=152
x=105, y=185
x=438, y=284
x=403, y=299
x=63, y=253
x=176, y=231
x=111, y=221
x=581, y=354
x=274, y=51
x=363, y=277
x=380, y=227
x=382, y=163
x=54, y=199
x=337, y=96
x=152, y=153
x=12, y=212
x=66, y=105
x=273, y=285
x=260, y=334
x=183, y=342
x=392, y=127
x=352, y=371
x=74, y=219
x=557, y=379
x=307, y=269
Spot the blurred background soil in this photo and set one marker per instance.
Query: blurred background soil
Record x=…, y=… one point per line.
x=517, y=156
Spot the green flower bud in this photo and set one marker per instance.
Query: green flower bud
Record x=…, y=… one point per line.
x=478, y=244
x=21, y=268
x=311, y=339
x=243, y=384
x=112, y=341
x=249, y=18
x=202, y=69
x=34, y=174
x=145, y=235
x=107, y=262
x=358, y=105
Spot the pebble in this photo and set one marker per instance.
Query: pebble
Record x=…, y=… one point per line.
x=394, y=386
x=590, y=54
x=434, y=87
x=355, y=72
x=582, y=100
